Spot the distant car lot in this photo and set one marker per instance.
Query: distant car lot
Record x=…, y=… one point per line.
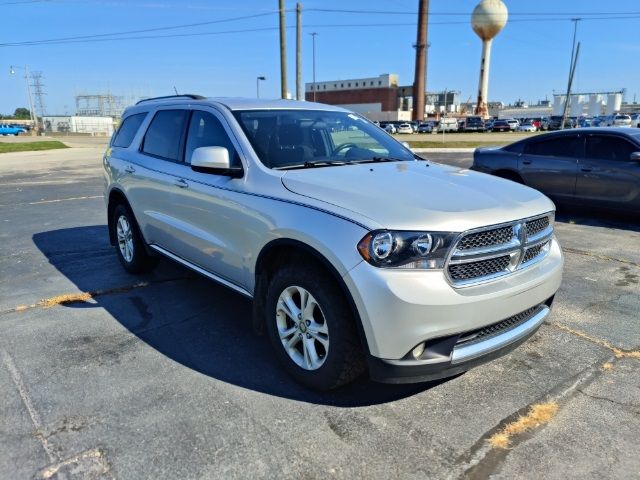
x=113, y=376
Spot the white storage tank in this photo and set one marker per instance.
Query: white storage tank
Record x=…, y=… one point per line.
x=558, y=104
x=595, y=105
x=614, y=103
x=577, y=105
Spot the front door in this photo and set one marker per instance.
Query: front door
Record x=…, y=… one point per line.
x=551, y=164
x=607, y=176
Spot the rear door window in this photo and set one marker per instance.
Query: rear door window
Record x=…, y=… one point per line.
x=128, y=130
x=606, y=147
x=205, y=130
x=164, y=135
x=564, y=146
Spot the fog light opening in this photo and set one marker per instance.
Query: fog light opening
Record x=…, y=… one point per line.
x=418, y=351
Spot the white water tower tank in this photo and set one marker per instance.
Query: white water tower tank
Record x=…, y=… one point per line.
x=595, y=105
x=558, y=104
x=577, y=105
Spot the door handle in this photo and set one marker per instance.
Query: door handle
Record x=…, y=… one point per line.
x=129, y=169
x=181, y=183
x=586, y=169
x=526, y=162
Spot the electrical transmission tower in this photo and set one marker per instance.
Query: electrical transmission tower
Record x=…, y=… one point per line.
x=38, y=92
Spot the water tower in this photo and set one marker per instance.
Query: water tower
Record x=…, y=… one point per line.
x=487, y=19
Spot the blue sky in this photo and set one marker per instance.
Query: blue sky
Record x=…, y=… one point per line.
x=529, y=59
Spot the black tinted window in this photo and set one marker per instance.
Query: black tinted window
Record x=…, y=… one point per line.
x=564, y=146
x=164, y=134
x=609, y=148
x=128, y=130
x=205, y=130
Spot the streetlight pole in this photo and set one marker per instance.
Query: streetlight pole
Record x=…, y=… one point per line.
x=31, y=110
x=315, y=87
x=571, y=69
x=258, y=85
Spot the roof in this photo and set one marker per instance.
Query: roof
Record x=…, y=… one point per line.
x=233, y=103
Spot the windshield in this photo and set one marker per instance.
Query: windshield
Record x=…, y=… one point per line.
x=304, y=138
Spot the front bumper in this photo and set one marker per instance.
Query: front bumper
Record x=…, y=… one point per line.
x=401, y=308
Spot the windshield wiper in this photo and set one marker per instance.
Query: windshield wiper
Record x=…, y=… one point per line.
x=317, y=163
x=380, y=159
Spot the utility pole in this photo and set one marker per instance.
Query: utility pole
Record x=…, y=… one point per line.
x=32, y=113
x=38, y=92
x=313, y=36
x=571, y=70
x=283, y=52
x=420, y=82
x=299, y=93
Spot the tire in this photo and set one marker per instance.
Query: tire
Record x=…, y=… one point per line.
x=130, y=246
x=326, y=368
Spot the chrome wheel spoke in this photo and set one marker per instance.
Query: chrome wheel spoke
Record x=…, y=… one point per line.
x=124, y=235
x=302, y=328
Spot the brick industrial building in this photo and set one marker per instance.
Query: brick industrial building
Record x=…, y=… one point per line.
x=378, y=98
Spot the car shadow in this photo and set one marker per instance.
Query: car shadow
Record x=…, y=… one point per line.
x=597, y=218
x=191, y=320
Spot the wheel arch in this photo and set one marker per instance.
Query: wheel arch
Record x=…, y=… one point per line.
x=279, y=251
x=116, y=197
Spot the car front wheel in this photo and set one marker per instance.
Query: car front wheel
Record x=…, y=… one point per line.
x=311, y=328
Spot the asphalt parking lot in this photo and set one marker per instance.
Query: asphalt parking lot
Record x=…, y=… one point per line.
x=107, y=375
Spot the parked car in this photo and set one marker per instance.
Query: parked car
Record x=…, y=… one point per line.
x=448, y=125
x=414, y=126
x=526, y=127
x=390, y=128
x=597, y=167
x=405, y=128
x=635, y=120
x=425, y=127
x=355, y=252
x=513, y=124
x=488, y=124
x=474, y=124
x=501, y=126
x=585, y=122
x=11, y=130
x=619, y=120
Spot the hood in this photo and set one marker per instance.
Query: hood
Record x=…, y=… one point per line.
x=418, y=195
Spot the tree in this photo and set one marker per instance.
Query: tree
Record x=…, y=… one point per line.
x=22, y=114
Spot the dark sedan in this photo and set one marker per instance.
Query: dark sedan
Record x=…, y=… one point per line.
x=598, y=167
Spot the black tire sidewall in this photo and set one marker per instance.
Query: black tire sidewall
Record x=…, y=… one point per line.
x=344, y=358
x=140, y=261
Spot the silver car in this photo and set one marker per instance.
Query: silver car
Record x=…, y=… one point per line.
x=357, y=254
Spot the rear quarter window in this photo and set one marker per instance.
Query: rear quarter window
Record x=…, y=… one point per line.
x=127, y=131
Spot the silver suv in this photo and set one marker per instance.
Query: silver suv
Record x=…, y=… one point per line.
x=357, y=253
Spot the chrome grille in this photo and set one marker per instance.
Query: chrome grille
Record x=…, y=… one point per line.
x=532, y=253
x=485, y=254
x=465, y=271
x=486, y=238
x=497, y=328
x=536, y=226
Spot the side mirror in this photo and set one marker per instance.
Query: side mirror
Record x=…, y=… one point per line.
x=635, y=156
x=214, y=160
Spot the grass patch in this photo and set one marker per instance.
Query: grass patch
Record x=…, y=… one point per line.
x=31, y=146
x=453, y=144
x=537, y=415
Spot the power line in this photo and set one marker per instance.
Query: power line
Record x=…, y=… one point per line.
x=84, y=40
x=146, y=30
x=466, y=14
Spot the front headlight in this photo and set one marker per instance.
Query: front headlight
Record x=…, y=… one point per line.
x=421, y=250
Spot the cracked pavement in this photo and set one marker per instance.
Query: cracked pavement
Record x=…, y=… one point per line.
x=161, y=376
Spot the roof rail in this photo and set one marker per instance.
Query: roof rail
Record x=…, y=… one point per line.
x=185, y=95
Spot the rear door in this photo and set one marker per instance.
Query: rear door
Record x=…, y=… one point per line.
x=152, y=178
x=607, y=176
x=551, y=164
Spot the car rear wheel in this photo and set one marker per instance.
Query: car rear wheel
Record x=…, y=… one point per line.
x=130, y=247
x=311, y=328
